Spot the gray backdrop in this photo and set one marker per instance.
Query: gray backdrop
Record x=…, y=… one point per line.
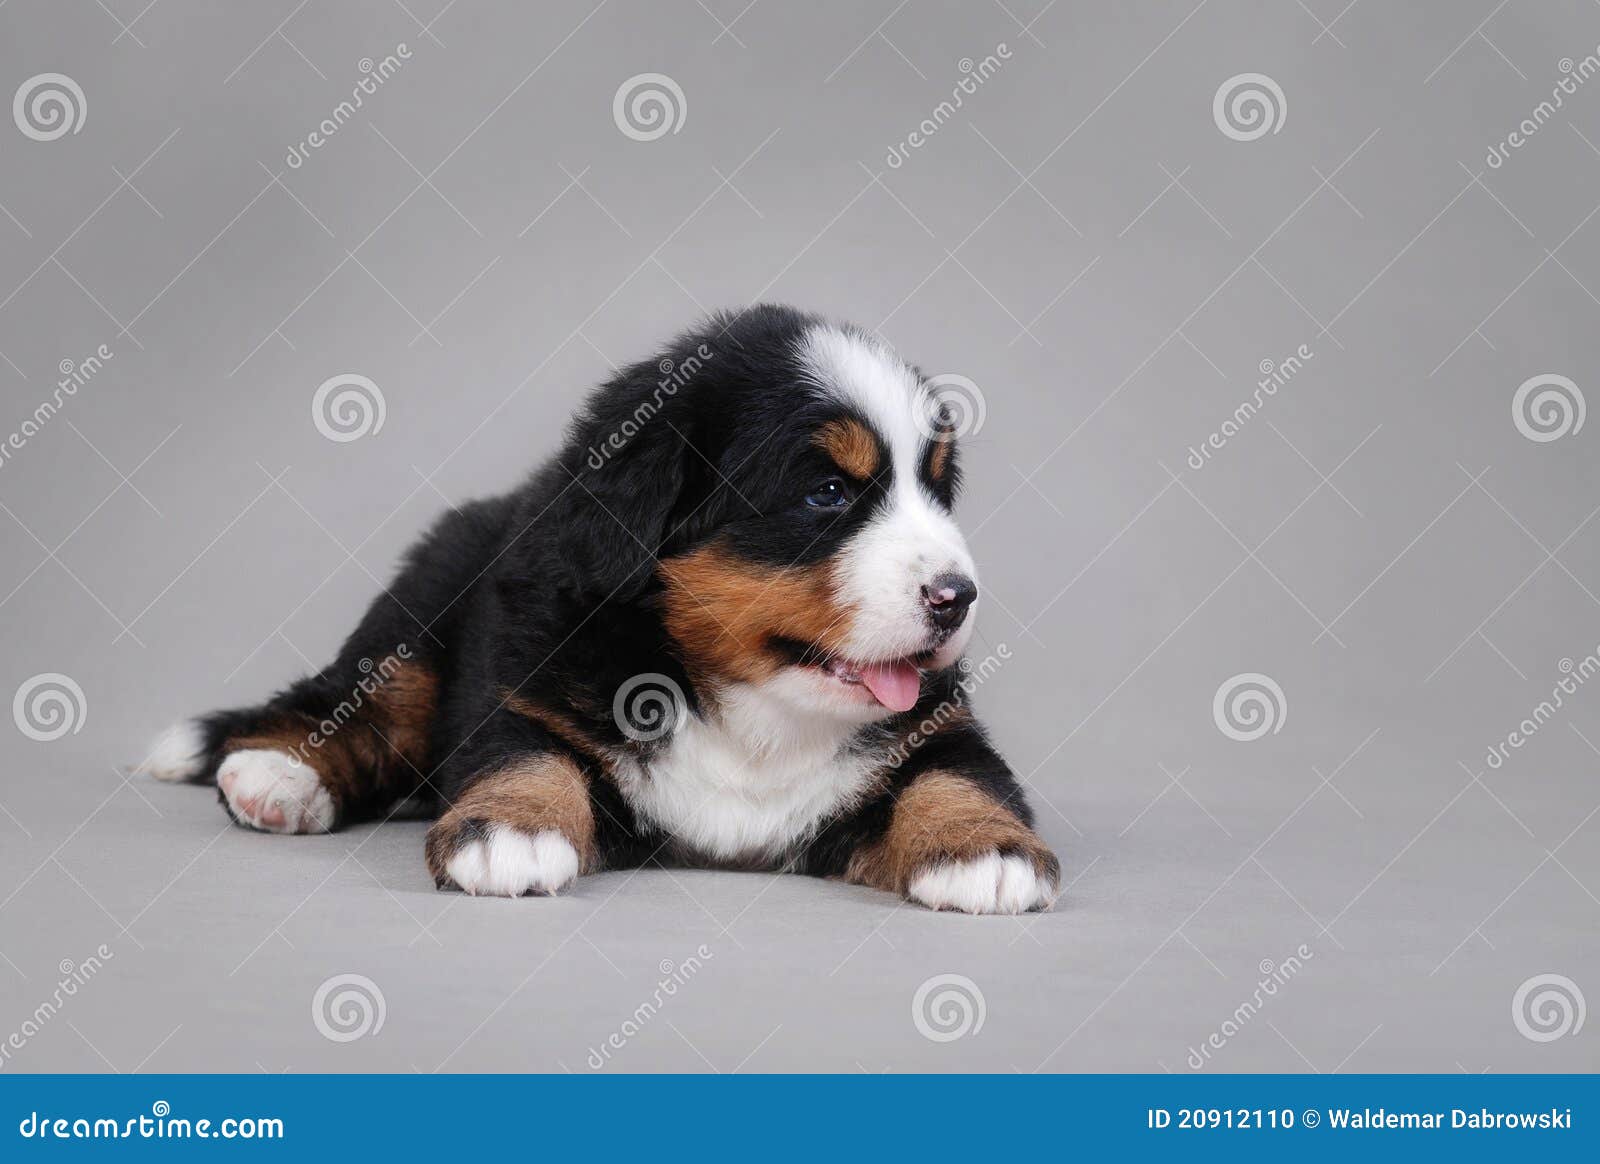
x=1396, y=535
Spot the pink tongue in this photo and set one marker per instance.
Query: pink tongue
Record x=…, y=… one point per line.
x=895, y=685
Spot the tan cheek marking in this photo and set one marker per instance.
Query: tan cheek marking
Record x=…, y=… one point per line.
x=533, y=795
x=939, y=458
x=852, y=447
x=723, y=612
x=943, y=817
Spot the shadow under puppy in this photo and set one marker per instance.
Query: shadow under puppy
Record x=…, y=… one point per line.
x=720, y=627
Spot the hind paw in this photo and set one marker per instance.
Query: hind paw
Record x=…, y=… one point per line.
x=275, y=792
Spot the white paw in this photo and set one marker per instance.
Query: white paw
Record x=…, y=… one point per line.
x=507, y=862
x=176, y=754
x=987, y=884
x=275, y=792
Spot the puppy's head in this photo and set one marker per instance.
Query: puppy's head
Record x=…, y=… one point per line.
x=786, y=508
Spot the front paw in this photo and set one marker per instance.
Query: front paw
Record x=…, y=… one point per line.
x=500, y=860
x=992, y=883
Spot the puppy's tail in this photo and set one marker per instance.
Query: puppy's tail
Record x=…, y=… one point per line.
x=178, y=755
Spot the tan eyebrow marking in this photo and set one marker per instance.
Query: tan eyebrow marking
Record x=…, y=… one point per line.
x=852, y=446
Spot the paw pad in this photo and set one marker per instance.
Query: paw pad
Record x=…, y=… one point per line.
x=276, y=793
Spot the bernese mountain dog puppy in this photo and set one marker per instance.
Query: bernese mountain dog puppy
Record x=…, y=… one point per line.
x=720, y=627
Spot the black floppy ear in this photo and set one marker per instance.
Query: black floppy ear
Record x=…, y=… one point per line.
x=622, y=484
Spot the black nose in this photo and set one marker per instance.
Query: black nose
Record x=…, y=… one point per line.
x=948, y=596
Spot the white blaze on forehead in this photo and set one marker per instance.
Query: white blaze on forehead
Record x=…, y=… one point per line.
x=912, y=538
x=865, y=373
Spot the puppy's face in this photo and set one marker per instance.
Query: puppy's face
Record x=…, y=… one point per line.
x=833, y=575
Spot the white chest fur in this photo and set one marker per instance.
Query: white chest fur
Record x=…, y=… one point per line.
x=750, y=782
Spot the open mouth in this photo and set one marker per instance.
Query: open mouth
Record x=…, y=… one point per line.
x=895, y=684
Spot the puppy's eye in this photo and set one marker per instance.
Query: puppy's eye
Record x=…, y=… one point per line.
x=830, y=494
